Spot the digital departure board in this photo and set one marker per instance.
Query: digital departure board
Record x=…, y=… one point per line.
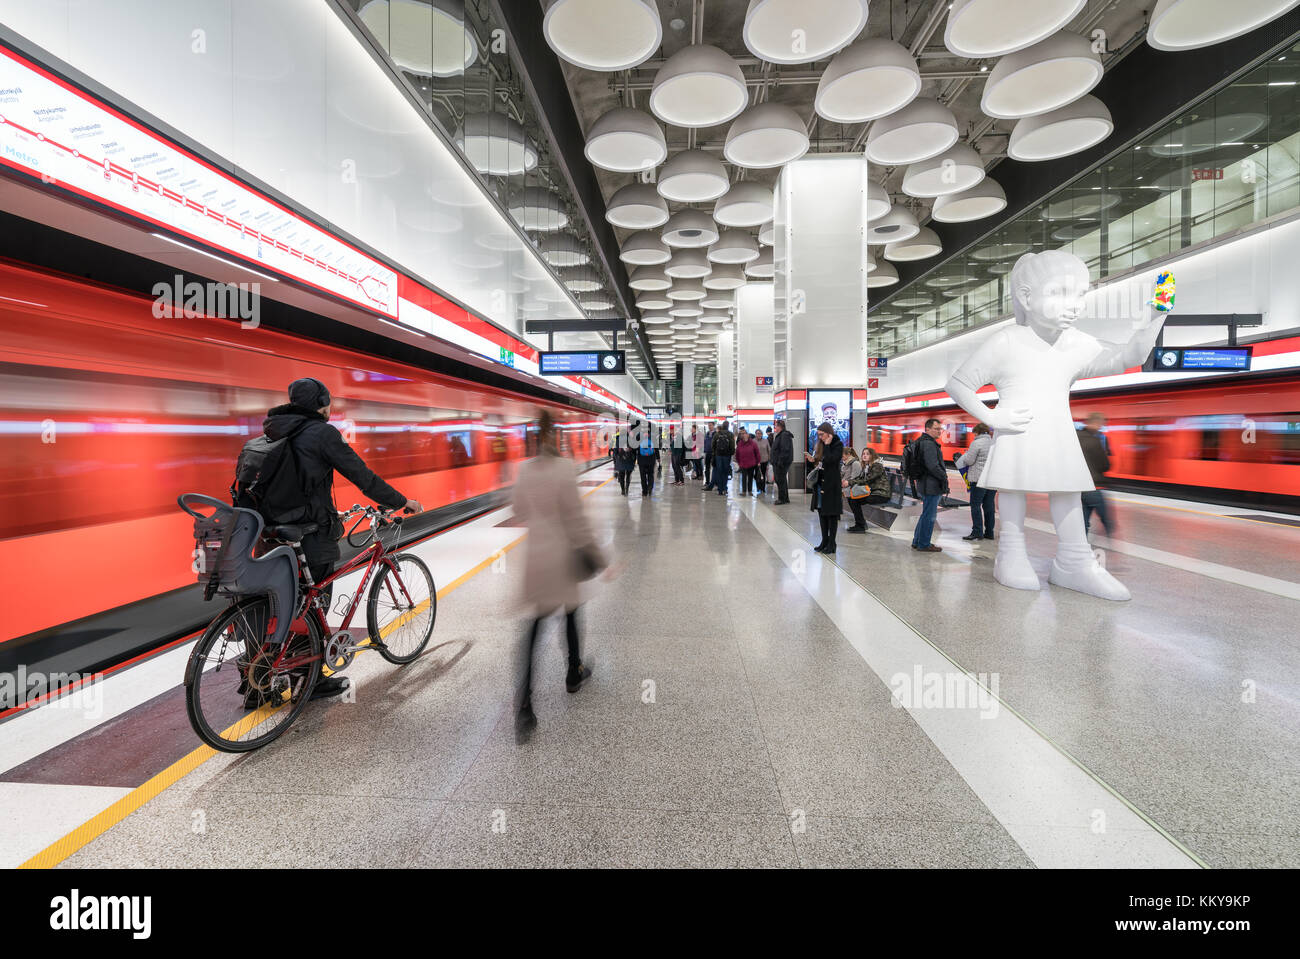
x=590, y=362
x=1196, y=359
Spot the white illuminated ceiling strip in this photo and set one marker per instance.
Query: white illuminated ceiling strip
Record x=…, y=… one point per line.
x=47, y=126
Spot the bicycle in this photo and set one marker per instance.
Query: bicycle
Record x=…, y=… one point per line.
x=243, y=688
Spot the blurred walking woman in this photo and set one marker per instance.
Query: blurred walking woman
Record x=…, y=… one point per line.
x=560, y=552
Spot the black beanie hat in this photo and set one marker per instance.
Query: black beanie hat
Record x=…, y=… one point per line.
x=309, y=393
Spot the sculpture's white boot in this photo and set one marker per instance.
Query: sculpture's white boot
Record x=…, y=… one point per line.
x=1011, y=566
x=1075, y=567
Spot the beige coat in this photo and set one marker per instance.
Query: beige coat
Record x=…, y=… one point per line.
x=546, y=501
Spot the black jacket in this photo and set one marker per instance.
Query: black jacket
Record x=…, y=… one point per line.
x=830, y=502
x=935, y=480
x=782, y=450
x=321, y=450
x=1095, y=454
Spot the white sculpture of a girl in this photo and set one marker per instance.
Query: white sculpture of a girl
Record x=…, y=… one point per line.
x=1035, y=448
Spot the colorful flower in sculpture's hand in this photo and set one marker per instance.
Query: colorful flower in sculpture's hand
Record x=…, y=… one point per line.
x=1163, y=300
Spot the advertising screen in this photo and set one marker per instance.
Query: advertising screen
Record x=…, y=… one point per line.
x=50, y=129
x=833, y=406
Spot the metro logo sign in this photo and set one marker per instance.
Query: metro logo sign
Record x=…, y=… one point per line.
x=53, y=131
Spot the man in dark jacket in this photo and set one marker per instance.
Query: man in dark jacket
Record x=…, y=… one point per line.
x=782, y=458
x=931, y=486
x=321, y=450
x=724, y=447
x=1097, y=455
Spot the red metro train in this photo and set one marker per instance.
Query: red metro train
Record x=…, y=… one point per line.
x=1230, y=439
x=107, y=413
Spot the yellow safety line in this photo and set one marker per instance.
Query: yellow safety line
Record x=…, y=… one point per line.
x=99, y=824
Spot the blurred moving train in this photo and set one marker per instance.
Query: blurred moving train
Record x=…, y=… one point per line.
x=108, y=413
x=1232, y=440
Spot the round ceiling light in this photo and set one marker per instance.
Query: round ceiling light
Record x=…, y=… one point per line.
x=562, y=250
x=1048, y=75
x=644, y=248
x=583, y=280
x=625, y=140
x=496, y=144
x=983, y=199
x=686, y=308
x=993, y=28
x=1001, y=269
x=600, y=301
x=715, y=317
x=652, y=300
x=725, y=276
x=637, y=206
x=871, y=79
x=1189, y=24
x=604, y=35
x=689, y=265
x=922, y=129
x=539, y=210
x=690, y=228
x=767, y=235
x=719, y=300
x=878, y=202
x=1202, y=135
x=745, y=204
x=768, y=135
x=958, y=168
x=693, y=176
x=1075, y=231
x=686, y=290
x=1000, y=251
x=871, y=262
x=734, y=246
x=686, y=323
x=883, y=275
x=1071, y=129
x=698, y=86
x=949, y=281
x=914, y=300
x=426, y=37
x=762, y=268
x=1084, y=204
x=649, y=279
x=801, y=31
x=920, y=247
x=656, y=319
x=895, y=226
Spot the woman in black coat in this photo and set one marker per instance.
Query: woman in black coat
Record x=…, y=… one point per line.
x=830, y=500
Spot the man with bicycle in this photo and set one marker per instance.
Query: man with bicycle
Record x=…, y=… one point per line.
x=320, y=450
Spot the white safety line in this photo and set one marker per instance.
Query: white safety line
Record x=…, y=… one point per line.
x=1058, y=812
x=1228, y=574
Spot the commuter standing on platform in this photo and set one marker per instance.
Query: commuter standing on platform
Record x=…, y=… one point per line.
x=981, y=498
x=624, y=460
x=829, y=498
x=677, y=453
x=764, y=459
x=782, y=460
x=695, y=452
x=724, y=446
x=560, y=551
x=747, y=458
x=931, y=486
x=647, y=458
x=1096, y=453
x=708, y=457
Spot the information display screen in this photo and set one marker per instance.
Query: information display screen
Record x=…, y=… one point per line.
x=590, y=362
x=832, y=406
x=1185, y=360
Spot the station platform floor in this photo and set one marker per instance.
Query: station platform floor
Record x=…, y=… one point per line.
x=752, y=704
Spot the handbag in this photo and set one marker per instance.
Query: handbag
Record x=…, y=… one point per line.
x=814, y=478
x=859, y=491
x=585, y=564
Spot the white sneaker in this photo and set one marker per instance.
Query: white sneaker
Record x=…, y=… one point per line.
x=1090, y=579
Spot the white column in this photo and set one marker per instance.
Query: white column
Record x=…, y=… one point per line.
x=754, y=351
x=821, y=272
x=726, y=371
x=688, y=389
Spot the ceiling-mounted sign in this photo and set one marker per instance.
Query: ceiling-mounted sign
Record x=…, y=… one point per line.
x=590, y=362
x=1189, y=360
x=51, y=130
x=763, y=384
x=878, y=365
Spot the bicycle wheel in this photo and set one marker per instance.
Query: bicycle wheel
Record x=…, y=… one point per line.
x=402, y=607
x=237, y=696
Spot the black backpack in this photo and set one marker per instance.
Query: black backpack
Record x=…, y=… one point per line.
x=723, y=443
x=267, y=479
x=914, y=461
